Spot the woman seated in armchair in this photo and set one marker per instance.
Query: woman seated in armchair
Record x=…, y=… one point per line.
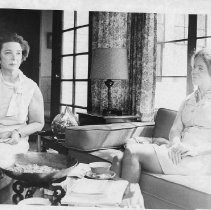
x=189, y=149
x=21, y=101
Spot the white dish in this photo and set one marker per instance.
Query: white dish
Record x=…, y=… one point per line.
x=35, y=201
x=100, y=167
x=92, y=175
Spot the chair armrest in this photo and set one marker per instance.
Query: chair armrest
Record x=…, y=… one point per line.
x=145, y=131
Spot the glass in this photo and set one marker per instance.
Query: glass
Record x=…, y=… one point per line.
x=179, y=32
x=175, y=26
x=201, y=22
x=173, y=59
x=67, y=67
x=203, y=43
x=81, y=90
x=82, y=67
x=66, y=92
x=82, y=40
x=203, y=29
x=67, y=44
x=62, y=108
x=68, y=19
x=82, y=18
x=170, y=99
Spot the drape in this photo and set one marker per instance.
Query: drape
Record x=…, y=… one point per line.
x=142, y=45
x=138, y=33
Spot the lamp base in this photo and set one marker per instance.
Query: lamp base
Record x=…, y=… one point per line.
x=112, y=112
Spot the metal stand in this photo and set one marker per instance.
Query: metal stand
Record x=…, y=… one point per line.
x=20, y=186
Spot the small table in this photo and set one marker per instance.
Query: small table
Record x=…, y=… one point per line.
x=132, y=197
x=94, y=119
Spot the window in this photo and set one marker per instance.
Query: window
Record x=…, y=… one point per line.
x=74, y=61
x=70, y=61
x=177, y=39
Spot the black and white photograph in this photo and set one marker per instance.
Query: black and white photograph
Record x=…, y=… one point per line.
x=105, y=105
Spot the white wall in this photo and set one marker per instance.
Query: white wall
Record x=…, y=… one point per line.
x=45, y=60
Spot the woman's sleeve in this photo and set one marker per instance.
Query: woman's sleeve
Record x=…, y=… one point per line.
x=36, y=107
x=178, y=126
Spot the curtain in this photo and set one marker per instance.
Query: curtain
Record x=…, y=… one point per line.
x=137, y=32
x=142, y=44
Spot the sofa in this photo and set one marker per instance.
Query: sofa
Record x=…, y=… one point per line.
x=103, y=142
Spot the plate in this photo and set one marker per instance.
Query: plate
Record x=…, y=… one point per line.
x=92, y=175
x=35, y=201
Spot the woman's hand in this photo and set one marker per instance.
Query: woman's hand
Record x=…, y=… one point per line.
x=15, y=138
x=176, y=152
x=10, y=137
x=5, y=135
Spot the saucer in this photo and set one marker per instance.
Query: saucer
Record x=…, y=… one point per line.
x=92, y=175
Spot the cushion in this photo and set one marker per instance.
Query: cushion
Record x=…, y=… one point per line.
x=163, y=122
x=176, y=191
x=94, y=137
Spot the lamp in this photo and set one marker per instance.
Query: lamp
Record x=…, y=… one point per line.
x=109, y=64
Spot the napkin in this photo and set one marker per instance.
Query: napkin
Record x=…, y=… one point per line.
x=92, y=192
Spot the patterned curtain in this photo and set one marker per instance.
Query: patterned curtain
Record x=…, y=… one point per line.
x=142, y=45
x=137, y=32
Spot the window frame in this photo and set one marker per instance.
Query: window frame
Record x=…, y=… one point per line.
x=57, y=57
x=191, y=46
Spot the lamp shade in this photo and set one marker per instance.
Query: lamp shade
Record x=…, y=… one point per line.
x=109, y=63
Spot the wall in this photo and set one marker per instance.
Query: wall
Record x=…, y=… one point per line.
x=45, y=61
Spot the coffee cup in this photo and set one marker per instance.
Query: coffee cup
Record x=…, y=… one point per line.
x=100, y=167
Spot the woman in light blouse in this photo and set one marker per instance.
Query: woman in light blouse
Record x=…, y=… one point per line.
x=189, y=148
x=21, y=101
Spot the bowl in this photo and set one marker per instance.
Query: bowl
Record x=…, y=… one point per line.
x=100, y=167
x=62, y=163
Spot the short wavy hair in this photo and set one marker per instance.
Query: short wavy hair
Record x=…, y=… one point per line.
x=205, y=54
x=14, y=37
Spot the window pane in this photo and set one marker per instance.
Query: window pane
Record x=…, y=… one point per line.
x=67, y=44
x=68, y=19
x=82, y=18
x=82, y=67
x=81, y=94
x=174, y=61
x=67, y=67
x=159, y=60
x=203, y=29
x=62, y=108
x=175, y=27
x=208, y=25
x=66, y=92
x=170, y=99
x=82, y=40
x=201, y=20
x=201, y=43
